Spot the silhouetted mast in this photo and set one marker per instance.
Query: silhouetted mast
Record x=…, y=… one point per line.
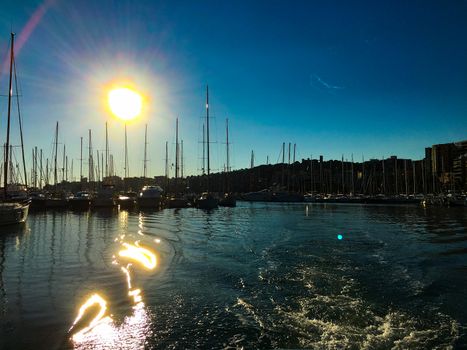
x=40, y=172
x=91, y=165
x=167, y=165
x=7, y=145
x=145, y=150
x=227, y=143
x=55, y=156
x=127, y=171
x=181, y=159
x=283, y=163
x=106, y=151
x=20, y=122
x=353, y=183
x=176, y=155
x=81, y=160
x=204, y=147
x=63, y=163
x=207, y=134
x=311, y=173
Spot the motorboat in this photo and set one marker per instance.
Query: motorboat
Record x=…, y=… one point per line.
x=176, y=202
x=207, y=201
x=127, y=200
x=150, y=197
x=229, y=200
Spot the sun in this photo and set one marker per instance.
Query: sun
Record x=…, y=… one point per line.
x=125, y=103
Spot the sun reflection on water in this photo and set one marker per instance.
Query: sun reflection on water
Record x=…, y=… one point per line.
x=139, y=254
x=102, y=331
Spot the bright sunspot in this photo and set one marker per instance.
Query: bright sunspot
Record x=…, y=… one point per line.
x=125, y=103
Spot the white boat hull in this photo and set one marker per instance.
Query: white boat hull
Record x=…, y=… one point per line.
x=13, y=213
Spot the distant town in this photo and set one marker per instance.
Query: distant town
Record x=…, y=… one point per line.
x=442, y=170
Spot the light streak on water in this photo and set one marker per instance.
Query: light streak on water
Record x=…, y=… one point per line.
x=102, y=332
x=139, y=254
x=95, y=299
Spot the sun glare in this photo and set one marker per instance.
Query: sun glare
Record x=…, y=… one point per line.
x=125, y=103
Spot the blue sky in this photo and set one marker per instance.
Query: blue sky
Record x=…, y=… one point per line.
x=335, y=77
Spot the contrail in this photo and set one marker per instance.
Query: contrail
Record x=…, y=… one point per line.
x=28, y=29
x=324, y=84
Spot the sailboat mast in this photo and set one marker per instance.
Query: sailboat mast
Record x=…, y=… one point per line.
x=40, y=171
x=5, y=167
x=207, y=134
x=98, y=171
x=63, y=163
x=227, y=143
x=46, y=171
x=181, y=159
x=311, y=173
x=126, y=155
x=204, y=151
x=81, y=161
x=20, y=122
x=91, y=165
x=145, y=149
x=176, y=153
x=55, y=155
x=167, y=165
x=283, y=163
x=106, y=150
x=353, y=183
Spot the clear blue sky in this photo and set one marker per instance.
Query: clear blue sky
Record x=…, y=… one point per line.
x=335, y=77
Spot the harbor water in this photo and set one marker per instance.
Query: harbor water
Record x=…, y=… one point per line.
x=261, y=275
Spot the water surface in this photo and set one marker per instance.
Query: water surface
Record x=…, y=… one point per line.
x=256, y=276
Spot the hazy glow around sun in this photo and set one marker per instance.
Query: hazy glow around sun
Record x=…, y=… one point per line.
x=125, y=103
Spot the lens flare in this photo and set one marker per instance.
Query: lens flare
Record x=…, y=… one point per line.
x=125, y=103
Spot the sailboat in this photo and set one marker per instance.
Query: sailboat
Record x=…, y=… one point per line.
x=229, y=199
x=14, y=208
x=207, y=200
x=58, y=199
x=104, y=197
x=176, y=201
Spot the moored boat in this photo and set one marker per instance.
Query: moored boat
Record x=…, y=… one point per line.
x=258, y=196
x=207, y=201
x=14, y=206
x=127, y=200
x=13, y=212
x=150, y=197
x=229, y=200
x=104, y=197
x=80, y=201
x=37, y=200
x=176, y=202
